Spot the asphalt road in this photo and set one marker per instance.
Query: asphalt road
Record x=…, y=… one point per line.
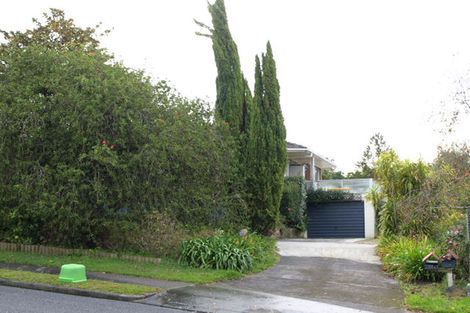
x=16, y=300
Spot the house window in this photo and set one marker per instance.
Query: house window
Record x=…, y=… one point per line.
x=296, y=170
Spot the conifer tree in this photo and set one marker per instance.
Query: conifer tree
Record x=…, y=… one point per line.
x=233, y=94
x=267, y=147
x=234, y=99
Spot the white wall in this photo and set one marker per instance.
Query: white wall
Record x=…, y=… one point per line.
x=369, y=219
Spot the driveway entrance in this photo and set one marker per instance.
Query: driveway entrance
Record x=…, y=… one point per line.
x=335, y=276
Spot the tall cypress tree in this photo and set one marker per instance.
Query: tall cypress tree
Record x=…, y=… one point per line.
x=234, y=100
x=267, y=146
x=233, y=94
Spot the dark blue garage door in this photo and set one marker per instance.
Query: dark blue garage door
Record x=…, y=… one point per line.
x=341, y=219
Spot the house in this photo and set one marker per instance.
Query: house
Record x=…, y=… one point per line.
x=306, y=163
x=354, y=218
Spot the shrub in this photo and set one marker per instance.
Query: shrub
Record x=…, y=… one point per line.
x=218, y=252
x=320, y=195
x=159, y=234
x=403, y=258
x=262, y=249
x=252, y=252
x=293, y=203
x=452, y=236
x=87, y=143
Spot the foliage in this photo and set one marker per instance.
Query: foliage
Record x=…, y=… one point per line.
x=91, y=284
x=403, y=258
x=267, y=149
x=452, y=235
x=256, y=124
x=293, y=203
x=159, y=234
x=89, y=147
x=366, y=166
x=57, y=33
x=218, y=252
x=321, y=195
x=414, y=199
x=252, y=252
x=234, y=102
x=330, y=174
x=230, y=104
x=398, y=180
x=263, y=249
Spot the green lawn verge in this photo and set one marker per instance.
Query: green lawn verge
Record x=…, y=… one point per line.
x=168, y=269
x=96, y=285
x=432, y=298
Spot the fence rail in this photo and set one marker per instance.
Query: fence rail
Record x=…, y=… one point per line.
x=48, y=250
x=355, y=185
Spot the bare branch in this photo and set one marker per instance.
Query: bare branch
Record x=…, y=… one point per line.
x=203, y=35
x=203, y=25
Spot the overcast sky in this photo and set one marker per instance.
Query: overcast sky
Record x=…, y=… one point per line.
x=347, y=69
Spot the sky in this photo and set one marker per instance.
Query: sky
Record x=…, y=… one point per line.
x=347, y=69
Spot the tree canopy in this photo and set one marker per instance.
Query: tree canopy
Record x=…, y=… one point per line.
x=268, y=151
x=89, y=148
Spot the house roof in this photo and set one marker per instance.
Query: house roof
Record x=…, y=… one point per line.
x=319, y=159
x=291, y=145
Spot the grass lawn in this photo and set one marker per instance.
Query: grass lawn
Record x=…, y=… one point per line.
x=432, y=298
x=97, y=285
x=168, y=269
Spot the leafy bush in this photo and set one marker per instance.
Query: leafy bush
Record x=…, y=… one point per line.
x=252, y=252
x=453, y=236
x=159, y=234
x=320, y=195
x=403, y=258
x=400, y=181
x=414, y=198
x=262, y=249
x=293, y=203
x=218, y=252
x=89, y=147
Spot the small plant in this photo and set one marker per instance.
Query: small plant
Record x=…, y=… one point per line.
x=218, y=252
x=403, y=258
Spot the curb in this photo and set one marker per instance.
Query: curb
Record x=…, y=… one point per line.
x=74, y=291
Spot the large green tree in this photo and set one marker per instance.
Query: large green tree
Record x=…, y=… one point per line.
x=55, y=31
x=88, y=147
x=233, y=94
x=234, y=100
x=267, y=149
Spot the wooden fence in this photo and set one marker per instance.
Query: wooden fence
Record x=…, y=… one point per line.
x=47, y=250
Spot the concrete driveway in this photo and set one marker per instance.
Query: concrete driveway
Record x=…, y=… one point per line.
x=340, y=272
x=316, y=276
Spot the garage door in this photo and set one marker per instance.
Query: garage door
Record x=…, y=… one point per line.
x=342, y=219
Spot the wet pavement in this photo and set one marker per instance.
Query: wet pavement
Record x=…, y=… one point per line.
x=342, y=282
x=339, y=283
x=218, y=299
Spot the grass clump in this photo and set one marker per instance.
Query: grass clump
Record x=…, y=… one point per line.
x=96, y=285
x=403, y=258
